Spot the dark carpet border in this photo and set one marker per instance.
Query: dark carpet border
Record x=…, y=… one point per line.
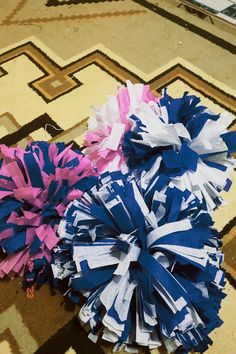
x=191, y=27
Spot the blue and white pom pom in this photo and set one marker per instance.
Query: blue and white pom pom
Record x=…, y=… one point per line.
x=184, y=141
x=151, y=275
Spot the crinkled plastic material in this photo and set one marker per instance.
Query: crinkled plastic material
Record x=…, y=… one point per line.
x=107, y=125
x=36, y=184
x=149, y=266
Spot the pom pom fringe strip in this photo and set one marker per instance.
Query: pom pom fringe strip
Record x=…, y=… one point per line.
x=107, y=125
x=151, y=275
x=184, y=141
x=36, y=185
x=178, y=138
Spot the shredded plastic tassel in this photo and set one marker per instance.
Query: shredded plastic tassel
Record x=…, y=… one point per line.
x=36, y=184
x=179, y=138
x=128, y=223
x=184, y=141
x=149, y=266
x=107, y=125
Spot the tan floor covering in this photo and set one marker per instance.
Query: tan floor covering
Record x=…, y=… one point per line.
x=57, y=61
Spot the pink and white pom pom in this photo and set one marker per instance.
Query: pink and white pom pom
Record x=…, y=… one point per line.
x=107, y=125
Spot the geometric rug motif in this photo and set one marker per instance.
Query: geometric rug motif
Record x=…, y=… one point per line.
x=36, y=12
x=47, y=87
x=14, y=333
x=46, y=97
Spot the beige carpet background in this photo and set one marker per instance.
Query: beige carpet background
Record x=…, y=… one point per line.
x=55, y=62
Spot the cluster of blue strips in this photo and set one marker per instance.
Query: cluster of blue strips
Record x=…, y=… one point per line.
x=190, y=143
x=141, y=247
x=127, y=224
x=148, y=263
x=187, y=111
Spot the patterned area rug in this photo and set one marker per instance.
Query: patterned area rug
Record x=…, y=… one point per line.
x=59, y=57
